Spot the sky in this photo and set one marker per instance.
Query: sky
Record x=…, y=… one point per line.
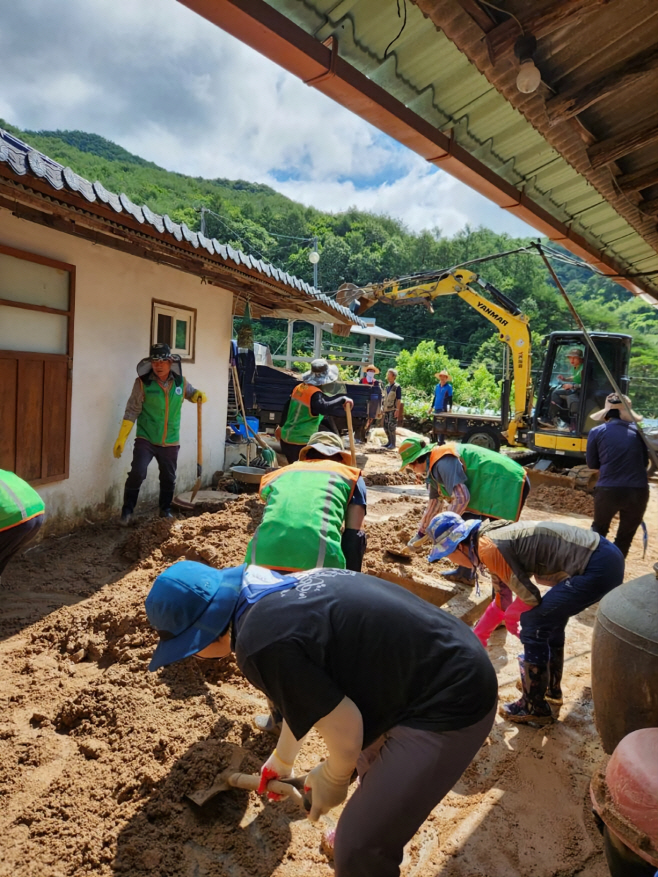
x=157, y=79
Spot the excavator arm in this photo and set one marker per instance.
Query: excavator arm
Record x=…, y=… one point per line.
x=511, y=324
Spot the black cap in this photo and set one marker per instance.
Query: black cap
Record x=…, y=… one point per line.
x=160, y=351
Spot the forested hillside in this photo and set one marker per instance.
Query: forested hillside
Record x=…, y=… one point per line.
x=361, y=247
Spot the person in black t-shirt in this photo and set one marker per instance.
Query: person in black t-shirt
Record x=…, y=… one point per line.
x=399, y=689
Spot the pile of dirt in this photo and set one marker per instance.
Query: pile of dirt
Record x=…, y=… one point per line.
x=216, y=538
x=386, y=479
x=565, y=500
x=97, y=754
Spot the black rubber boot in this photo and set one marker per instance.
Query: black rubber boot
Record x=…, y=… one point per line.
x=272, y=722
x=555, y=668
x=129, y=502
x=166, y=496
x=532, y=707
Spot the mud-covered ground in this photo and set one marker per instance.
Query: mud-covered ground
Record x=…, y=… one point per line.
x=97, y=754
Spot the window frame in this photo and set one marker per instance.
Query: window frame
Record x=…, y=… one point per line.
x=67, y=357
x=189, y=313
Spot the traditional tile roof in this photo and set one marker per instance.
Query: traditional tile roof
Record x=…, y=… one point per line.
x=27, y=164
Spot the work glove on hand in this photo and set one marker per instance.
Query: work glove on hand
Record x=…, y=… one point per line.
x=327, y=789
x=198, y=396
x=124, y=432
x=513, y=615
x=274, y=769
x=417, y=542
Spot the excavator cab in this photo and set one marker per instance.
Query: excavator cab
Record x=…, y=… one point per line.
x=572, y=387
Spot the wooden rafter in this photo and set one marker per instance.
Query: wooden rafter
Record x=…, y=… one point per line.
x=605, y=151
x=650, y=206
x=639, y=180
x=540, y=23
x=574, y=100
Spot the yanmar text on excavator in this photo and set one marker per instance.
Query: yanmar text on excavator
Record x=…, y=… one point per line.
x=553, y=420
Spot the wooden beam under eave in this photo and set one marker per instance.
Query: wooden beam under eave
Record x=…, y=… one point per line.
x=540, y=24
x=574, y=100
x=650, y=207
x=609, y=150
x=639, y=180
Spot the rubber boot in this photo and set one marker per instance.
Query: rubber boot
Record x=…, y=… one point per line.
x=532, y=707
x=166, y=496
x=462, y=575
x=492, y=617
x=129, y=503
x=270, y=723
x=555, y=668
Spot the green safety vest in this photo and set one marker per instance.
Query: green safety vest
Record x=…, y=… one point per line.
x=159, y=420
x=18, y=501
x=304, y=515
x=300, y=423
x=494, y=482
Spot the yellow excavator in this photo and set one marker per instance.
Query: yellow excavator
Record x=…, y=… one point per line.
x=548, y=423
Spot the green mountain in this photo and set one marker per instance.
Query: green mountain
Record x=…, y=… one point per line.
x=360, y=247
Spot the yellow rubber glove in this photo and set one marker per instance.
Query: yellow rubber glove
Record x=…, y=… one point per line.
x=124, y=432
x=198, y=396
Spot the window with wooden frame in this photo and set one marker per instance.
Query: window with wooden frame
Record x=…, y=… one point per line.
x=174, y=325
x=37, y=297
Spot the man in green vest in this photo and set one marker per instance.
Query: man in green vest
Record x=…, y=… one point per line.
x=21, y=515
x=314, y=511
x=155, y=403
x=309, y=402
x=478, y=482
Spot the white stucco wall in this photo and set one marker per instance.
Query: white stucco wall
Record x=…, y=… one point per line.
x=114, y=292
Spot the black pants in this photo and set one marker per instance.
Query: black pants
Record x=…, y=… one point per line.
x=143, y=453
x=291, y=451
x=629, y=502
x=13, y=539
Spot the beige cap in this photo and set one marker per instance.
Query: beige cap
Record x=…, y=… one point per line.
x=614, y=402
x=328, y=444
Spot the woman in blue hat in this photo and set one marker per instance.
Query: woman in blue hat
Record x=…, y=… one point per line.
x=400, y=691
x=578, y=565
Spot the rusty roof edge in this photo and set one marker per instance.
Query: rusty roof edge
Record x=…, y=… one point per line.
x=23, y=161
x=259, y=25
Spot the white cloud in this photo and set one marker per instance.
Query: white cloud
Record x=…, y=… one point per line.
x=171, y=87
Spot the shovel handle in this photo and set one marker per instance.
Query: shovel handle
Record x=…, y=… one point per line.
x=350, y=432
x=199, y=438
x=252, y=782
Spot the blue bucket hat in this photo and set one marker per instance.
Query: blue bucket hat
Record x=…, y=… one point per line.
x=446, y=531
x=190, y=605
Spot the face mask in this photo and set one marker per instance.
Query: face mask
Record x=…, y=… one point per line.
x=370, y=377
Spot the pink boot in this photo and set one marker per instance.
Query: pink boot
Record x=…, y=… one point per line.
x=492, y=617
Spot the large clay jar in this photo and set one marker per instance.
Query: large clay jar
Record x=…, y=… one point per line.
x=625, y=661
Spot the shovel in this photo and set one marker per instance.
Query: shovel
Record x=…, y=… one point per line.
x=350, y=432
x=231, y=778
x=183, y=503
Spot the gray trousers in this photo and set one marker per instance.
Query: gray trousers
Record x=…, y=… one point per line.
x=403, y=776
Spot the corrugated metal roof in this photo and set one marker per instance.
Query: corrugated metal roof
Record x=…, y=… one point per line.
x=25, y=161
x=426, y=72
